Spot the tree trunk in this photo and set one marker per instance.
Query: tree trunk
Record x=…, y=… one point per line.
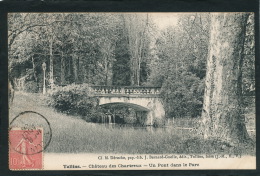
x=69, y=70
x=79, y=68
x=51, y=64
x=222, y=109
x=106, y=69
x=75, y=68
x=34, y=73
x=135, y=27
x=107, y=55
x=62, y=68
x=84, y=70
x=109, y=74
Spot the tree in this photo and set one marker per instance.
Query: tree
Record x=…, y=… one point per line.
x=121, y=65
x=178, y=65
x=136, y=28
x=19, y=23
x=248, y=70
x=82, y=53
x=222, y=109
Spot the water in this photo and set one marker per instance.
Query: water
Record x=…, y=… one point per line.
x=151, y=129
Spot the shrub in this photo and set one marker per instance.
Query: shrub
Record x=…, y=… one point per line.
x=159, y=122
x=94, y=116
x=183, y=95
x=131, y=117
x=73, y=99
x=31, y=86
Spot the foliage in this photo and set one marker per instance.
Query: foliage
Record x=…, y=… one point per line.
x=94, y=116
x=119, y=49
x=159, y=122
x=178, y=65
x=31, y=86
x=131, y=117
x=74, y=99
x=82, y=53
x=121, y=68
x=98, y=138
x=183, y=95
x=124, y=114
x=136, y=27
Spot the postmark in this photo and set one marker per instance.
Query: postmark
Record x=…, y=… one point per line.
x=29, y=135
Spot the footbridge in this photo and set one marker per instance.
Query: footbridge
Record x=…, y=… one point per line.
x=140, y=98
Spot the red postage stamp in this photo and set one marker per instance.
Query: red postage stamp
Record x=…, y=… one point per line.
x=25, y=149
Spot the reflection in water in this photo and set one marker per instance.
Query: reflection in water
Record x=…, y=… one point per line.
x=179, y=127
x=136, y=127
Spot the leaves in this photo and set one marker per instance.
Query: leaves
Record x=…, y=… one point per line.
x=179, y=65
x=88, y=37
x=73, y=99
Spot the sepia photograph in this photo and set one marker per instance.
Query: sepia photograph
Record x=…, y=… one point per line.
x=139, y=91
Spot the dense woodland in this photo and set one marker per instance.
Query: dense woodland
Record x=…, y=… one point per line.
x=119, y=49
x=128, y=50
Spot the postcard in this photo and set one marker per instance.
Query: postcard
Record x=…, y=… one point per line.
x=131, y=91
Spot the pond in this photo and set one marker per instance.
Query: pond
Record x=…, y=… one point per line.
x=149, y=129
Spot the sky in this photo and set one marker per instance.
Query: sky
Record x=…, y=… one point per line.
x=163, y=20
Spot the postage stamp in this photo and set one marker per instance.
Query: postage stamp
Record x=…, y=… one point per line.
x=26, y=146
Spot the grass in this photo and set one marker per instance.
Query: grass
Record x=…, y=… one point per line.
x=71, y=134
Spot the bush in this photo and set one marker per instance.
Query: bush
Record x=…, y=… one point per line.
x=73, y=99
x=31, y=86
x=94, y=116
x=183, y=96
x=131, y=117
x=159, y=122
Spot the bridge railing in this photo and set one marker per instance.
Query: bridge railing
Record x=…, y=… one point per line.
x=134, y=90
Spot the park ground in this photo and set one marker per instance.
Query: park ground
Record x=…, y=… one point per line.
x=71, y=134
